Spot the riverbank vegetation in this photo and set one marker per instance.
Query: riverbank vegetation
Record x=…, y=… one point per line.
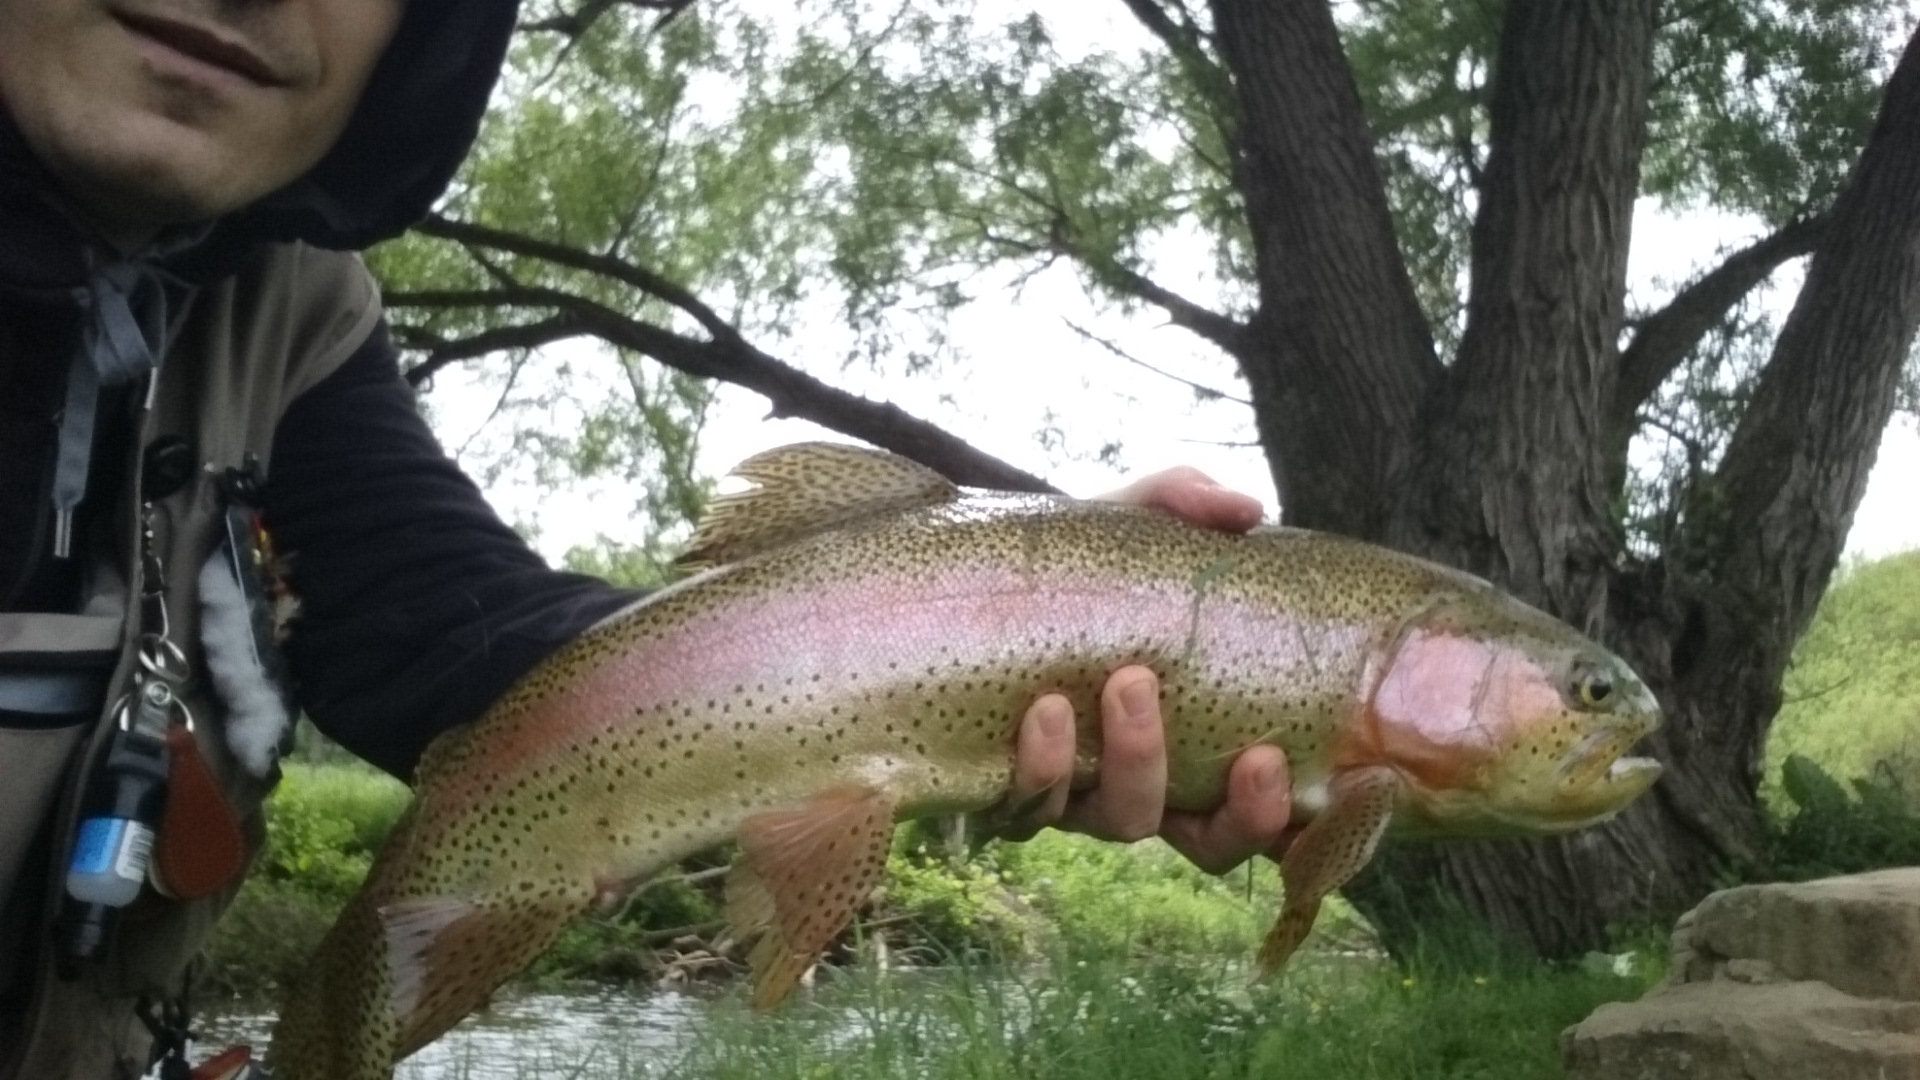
x=1067, y=957
x=1843, y=764
x=1458, y=1012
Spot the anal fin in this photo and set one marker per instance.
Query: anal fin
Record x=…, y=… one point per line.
x=446, y=955
x=1327, y=854
x=801, y=874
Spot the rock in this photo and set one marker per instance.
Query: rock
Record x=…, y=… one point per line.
x=1815, y=979
x=1860, y=934
x=1726, y=1030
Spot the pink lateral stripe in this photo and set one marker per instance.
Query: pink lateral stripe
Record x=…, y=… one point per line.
x=866, y=622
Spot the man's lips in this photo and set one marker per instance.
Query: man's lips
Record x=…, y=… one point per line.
x=207, y=46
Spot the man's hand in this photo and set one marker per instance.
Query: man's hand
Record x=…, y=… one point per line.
x=1129, y=803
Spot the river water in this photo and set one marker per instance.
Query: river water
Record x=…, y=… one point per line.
x=636, y=1034
x=666, y=1032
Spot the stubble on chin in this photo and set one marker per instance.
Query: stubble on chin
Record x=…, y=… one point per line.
x=136, y=173
x=132, y=149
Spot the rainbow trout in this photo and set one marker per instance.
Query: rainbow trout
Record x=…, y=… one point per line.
x=859, y=651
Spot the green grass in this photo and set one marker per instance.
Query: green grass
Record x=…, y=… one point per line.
x=324, y=823
x=1132, y=1018
x=1140, y=898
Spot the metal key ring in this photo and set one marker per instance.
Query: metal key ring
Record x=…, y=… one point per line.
x=162, y=658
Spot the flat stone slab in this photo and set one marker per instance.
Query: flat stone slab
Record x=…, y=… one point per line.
x=1727, y=1029
x=1859, y=934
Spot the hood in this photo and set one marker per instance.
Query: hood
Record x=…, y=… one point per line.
x=415, y=123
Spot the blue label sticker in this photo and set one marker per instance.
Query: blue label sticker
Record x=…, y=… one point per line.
x=95, y=847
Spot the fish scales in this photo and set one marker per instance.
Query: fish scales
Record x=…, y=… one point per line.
x=888, y=658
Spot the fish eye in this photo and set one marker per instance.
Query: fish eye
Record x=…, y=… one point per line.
x=1592, y=689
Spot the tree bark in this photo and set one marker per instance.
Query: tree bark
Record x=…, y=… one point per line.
x=1338, y=358
x=1511, y=483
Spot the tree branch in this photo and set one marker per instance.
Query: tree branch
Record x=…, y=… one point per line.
x=1188, y=44
x=1179, y=38
x=1229, y=334
x=640, y=277
x=1205, y=392
x=442, y=352
x=578, y=21
x=792, y=392
x=1665, y=338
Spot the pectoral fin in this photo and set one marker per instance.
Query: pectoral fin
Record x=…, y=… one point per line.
x=1327, y=854
x=801, y=875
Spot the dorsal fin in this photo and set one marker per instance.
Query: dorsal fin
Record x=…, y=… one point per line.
x=805, y=489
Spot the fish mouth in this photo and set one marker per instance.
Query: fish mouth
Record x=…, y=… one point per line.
x=1606, y=788
x=1602, y=756
x=1626, y=768
x=1631, y=775
x=1600, y=783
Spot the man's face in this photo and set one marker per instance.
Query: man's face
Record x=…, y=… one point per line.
x=169, y=112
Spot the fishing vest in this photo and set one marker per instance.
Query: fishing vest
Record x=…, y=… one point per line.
x=242, y=351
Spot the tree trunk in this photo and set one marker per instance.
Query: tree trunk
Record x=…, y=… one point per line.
x=1323, y=346
x=1511, y=483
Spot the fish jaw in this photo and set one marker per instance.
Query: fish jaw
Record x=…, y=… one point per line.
x=1611, y=787
x=1431, y=813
